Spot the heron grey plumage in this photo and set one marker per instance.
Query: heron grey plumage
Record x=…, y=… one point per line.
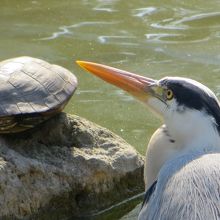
x=187, y=169
x=182, y=171
x=187, y=188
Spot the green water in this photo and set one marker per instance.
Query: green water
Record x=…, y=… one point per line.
x=152, y=38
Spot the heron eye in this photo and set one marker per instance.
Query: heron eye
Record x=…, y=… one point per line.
x=169, y=94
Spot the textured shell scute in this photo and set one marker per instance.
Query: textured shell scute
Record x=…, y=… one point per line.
x=30, y=85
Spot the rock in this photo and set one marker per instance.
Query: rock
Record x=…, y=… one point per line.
x=66, y=167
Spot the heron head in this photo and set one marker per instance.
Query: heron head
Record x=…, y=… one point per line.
x=186, y=106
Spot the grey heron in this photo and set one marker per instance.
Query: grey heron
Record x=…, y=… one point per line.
x=182, y=171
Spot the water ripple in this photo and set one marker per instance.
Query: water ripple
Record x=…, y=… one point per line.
x=183, y=30
x=206, y=19
x=128, y=53
x=118, y=40
x=65, y=30
x=175, y=38
x=170, y=26
x=141, y=12
x=159, y=36
x=197, y=21
x=102, y=7
x=105, y=6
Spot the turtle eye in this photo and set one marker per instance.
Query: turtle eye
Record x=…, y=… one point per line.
x=169, y=94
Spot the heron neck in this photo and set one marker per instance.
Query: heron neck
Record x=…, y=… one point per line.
x=204, y=138
x=166, y=145
x=193, y=130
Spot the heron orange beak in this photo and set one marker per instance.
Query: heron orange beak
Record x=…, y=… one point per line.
x=136, y=85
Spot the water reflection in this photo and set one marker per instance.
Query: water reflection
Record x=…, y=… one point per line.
x=201, y=20
x=105, y=7
x=167, y=25
x=141, y=12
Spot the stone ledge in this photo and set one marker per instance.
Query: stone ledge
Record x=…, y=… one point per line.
x=66, y=167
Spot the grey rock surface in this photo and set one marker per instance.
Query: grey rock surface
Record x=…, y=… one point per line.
x=66, y=167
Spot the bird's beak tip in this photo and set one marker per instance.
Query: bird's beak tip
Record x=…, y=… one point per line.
x=80, y=63
x=88, y=66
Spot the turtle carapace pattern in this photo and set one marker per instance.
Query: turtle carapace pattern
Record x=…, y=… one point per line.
x=31, y=91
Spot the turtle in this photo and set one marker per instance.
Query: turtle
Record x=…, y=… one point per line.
x=32, y=91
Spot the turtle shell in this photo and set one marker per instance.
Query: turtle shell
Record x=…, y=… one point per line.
x=31, y=91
